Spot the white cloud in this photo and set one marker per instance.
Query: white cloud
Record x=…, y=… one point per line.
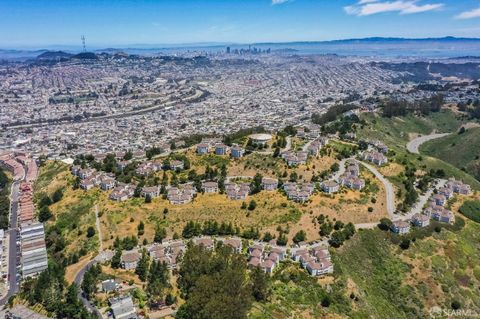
x=369, y=7
x=274, y=2
x=474, y=13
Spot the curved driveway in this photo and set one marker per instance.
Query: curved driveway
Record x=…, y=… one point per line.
x=388, y=190
x=414, y=144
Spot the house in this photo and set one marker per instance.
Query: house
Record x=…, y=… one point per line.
x=202, y=148
x=221, y=149
x=351, y=181
x=443, y=215
x=123, y=308
x=295, y=158
x=179, y=196
x=253, y=262
x=151, y=191
x=459, y=187
x=281, y=252
x=75, y=169
x=109, y=285
x=316, y=268
x=209, y=187
x=176, y=165
x=236, y=151
x=439, y=199
x=107, y=183
x=297, y=254
x=87, y=184
x=267, y=266
x=237, y=192
x=129, y=259
x=400, y=227
x=447, y=192
x=206, y=242
x=375, y=157
x=122, y=192
x=330, y=187
x=121, y=165
x=420, y=220
x=269, y=184
x=85, y=173
x=235, y=244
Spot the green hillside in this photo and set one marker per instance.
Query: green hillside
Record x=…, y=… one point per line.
x=460, y=150
x=397, y=131
x=375, y=278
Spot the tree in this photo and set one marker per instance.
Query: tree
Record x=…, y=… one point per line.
x=89, y=283
x=385, y=224
x=158, y=279
x=282, y=240
x=160, y=234
x=90, y=231
x=300, y=236
x=259, y=284
x=141, y=228
x=405, y=244
x=142, y=266
x=116, y=259
x=252, y=205
x=44, y=214
x=215, y=284
x=256, y=185
x=57, y=195
x=148, y=198
x=267, y=237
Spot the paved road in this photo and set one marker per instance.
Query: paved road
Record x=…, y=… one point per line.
x=12, y=244
x=78, y=281
x=414, y=144
x=341, y=169
x=417, y=208
x=388, y=189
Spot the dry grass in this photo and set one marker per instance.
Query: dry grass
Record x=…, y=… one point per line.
x=392, y=169
x=72, y=270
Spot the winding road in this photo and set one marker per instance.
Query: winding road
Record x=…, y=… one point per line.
x=388, y=190
x=414, y=144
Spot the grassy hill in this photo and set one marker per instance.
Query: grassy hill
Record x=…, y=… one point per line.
x=375, y=278
x=460, y=150
x=397, y=131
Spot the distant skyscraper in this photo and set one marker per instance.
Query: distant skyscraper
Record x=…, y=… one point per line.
x=228, y=50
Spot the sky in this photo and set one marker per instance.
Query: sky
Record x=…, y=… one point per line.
x=110, y=23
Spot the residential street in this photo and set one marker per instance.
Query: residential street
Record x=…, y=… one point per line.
x=12, y=244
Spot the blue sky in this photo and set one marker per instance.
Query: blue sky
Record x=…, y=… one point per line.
x=37, y=23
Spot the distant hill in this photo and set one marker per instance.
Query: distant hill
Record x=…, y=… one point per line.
x=85, y=56
x=377, y=40
x=54, y=55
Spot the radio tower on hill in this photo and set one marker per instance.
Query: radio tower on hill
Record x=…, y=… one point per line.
x=83, y=43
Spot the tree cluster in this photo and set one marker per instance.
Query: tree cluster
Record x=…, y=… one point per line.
x=216, y=284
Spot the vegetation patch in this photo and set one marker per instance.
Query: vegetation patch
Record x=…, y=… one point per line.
x=471, y=209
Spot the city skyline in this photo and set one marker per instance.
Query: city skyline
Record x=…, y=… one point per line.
x=29, y=24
